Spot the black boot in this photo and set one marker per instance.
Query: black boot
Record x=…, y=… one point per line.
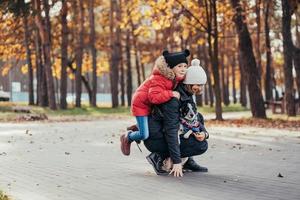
x=157, y=162
x=193, y=166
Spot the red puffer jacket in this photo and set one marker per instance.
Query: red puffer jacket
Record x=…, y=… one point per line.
x=157, y=89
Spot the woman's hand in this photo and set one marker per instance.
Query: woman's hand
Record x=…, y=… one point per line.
x=200, y=136
x=177, y=169
x=176, y=94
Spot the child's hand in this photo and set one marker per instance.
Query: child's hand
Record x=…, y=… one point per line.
x=200, y=136
x=176, y=94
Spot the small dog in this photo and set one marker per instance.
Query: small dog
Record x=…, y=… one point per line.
x=189, y=122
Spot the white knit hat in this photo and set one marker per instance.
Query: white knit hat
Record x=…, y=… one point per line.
x=195, y=74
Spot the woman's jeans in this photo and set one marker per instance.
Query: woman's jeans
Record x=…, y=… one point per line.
x=143, y=133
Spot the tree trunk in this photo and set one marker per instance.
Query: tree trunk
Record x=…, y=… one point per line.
x=243, y=87
x=122, y=71
x=115, y=57
x=233, y=65
x=215, y=62
x=208, y=73
x=288, y=56
x=42, y=97
x=79, y=55
x=208, y=12
x=45, y=38
x=199, y=100
x=56, y=86
x=206, y=94
x=222, y=75
x=297, y=57
x=137, y=65
x=83, y=79
x=268, y=80
x=64, y=55
x=249, y=63
x=38, y=65
x=258, y=53
x=93, y=51
x=122, y=81
x=44, y=87
x=225, y=93
x=129, y=73
x=227, y=100
x=297, y=69
x=49, y=83
x=28, y=60
x=143, y=71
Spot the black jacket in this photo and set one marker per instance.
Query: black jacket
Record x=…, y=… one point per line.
x=164, y=121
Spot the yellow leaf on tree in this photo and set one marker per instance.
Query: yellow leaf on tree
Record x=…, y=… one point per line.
x=24, y=69
x=5, y=69
x=201, y=41
x=156, y=25
x=185, y=33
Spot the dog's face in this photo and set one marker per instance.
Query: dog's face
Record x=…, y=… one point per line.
x=188, y=113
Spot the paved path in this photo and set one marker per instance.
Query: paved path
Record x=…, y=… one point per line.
x=82, y=161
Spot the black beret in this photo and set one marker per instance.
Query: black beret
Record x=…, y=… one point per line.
x=176, y=58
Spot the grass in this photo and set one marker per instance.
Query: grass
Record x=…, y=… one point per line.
x=84, y=110
x=272, y=116
x=7, y=113
x=229, y=108
x=3, y=196
x=6, y=107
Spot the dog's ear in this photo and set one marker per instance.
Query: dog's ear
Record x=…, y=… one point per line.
x=185, y=110
x=195, y=109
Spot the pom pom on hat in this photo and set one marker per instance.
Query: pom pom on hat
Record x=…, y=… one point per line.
x=165, y=53
x=195, y=62
x=187, y=52
x=195, y=74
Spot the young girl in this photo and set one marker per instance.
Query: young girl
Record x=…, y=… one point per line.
x=169, y=69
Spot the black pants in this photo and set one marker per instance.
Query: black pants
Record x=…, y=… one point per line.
x=188, y=147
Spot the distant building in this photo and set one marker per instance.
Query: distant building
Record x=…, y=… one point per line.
x=15, y=75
